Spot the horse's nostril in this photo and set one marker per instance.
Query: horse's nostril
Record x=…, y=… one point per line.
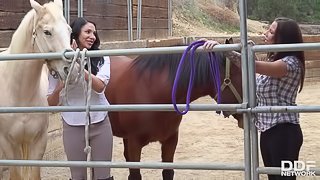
x=66, y=70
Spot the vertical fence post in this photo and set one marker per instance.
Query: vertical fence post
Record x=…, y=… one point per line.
x=80, y=8
x=245, y=86
x=130, y=33
x=67, y=10
x=169, y=17
x=139, y=19
x=252, y=104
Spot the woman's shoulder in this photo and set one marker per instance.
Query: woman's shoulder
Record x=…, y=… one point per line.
x=291, y=60
x=293, y=63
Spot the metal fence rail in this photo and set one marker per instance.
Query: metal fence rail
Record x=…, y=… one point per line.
x=143, y=165
x=239, y=108
x=248, y=107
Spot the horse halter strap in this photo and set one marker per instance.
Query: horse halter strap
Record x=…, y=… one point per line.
x=34, y=36
x=227, y=82
x=34, y=40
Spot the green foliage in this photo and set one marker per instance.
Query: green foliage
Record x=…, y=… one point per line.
x=303, y=11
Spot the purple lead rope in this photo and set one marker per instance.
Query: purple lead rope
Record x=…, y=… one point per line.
x=215, y=74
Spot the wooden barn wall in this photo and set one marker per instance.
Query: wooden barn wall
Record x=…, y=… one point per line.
x=109, y=15
x=11, y=14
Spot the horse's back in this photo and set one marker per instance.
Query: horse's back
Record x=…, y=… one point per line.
x=127, y=86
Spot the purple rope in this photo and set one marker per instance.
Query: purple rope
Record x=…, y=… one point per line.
x=175, y=84
x=215, y=73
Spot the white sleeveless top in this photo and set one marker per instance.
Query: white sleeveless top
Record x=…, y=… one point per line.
x=76, y=97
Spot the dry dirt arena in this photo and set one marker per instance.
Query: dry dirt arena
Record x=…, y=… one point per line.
x=204, y=137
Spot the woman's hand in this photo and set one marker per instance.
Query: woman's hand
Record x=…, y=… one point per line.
x=53, y=99
x=59, y=87
x=209, y=44
x=74, y=44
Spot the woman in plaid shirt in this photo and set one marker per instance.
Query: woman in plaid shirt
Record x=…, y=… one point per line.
x=277, y=85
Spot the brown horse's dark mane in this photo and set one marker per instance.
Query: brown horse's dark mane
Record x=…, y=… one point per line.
x=155, y=63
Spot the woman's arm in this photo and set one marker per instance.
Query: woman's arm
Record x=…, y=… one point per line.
x=54, y=97
x=275, y=69
x=97, y=84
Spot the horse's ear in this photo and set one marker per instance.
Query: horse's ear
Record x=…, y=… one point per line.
x=36, y=6
x=231, y=40
x=59, y=3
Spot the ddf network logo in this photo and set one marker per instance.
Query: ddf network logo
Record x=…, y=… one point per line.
x=297, y=168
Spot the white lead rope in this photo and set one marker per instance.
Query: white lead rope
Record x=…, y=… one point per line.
x=87, y=91
x=64, y=92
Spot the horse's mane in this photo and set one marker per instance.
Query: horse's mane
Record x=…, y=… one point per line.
x=156, y=63
x=25, y=26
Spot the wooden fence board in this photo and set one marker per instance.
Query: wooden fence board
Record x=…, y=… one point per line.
x=151, y=23
x=153, y=3
x=111, y=10
x=109, y=23
x=151, y=12
x=5, y=38
x=17, y=5
x=120, y=35
x=10, y=20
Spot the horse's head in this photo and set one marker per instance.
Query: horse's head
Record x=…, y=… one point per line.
x=231, y=87
x=51, y=33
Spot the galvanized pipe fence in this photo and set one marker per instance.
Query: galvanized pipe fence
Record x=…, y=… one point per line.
x=248, y=107
x=250, y=170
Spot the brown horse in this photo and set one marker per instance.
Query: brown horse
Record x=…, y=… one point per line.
x=148, y=79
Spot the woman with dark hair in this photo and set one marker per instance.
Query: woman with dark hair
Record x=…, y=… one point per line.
x=81, y=37
x=277, y=85
x=84, y=35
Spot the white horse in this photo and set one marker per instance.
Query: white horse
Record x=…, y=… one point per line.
x=25, y=83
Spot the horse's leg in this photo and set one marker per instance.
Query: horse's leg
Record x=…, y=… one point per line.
x=37, y=152
x=34, y=151
x=2, y=168
x=168, y=148
x=9, y=152
x=17, y=172
x=132, y=153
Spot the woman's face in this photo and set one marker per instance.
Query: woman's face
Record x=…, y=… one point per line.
x=86, y=36
x=270, y=33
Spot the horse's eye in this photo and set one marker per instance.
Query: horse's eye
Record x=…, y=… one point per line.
x=46, y=32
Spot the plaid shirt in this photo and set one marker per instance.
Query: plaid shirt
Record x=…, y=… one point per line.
x=278, y=92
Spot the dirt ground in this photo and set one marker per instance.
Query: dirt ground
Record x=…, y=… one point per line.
x=204, y=137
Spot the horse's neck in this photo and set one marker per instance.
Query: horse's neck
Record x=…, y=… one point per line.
x=197, y=92
x=22, y=77
x=21, y=80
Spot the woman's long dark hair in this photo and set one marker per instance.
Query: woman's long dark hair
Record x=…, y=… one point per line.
x=76, y=26
x=288, y=32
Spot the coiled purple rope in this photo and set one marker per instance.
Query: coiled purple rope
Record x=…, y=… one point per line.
x=214, y=69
